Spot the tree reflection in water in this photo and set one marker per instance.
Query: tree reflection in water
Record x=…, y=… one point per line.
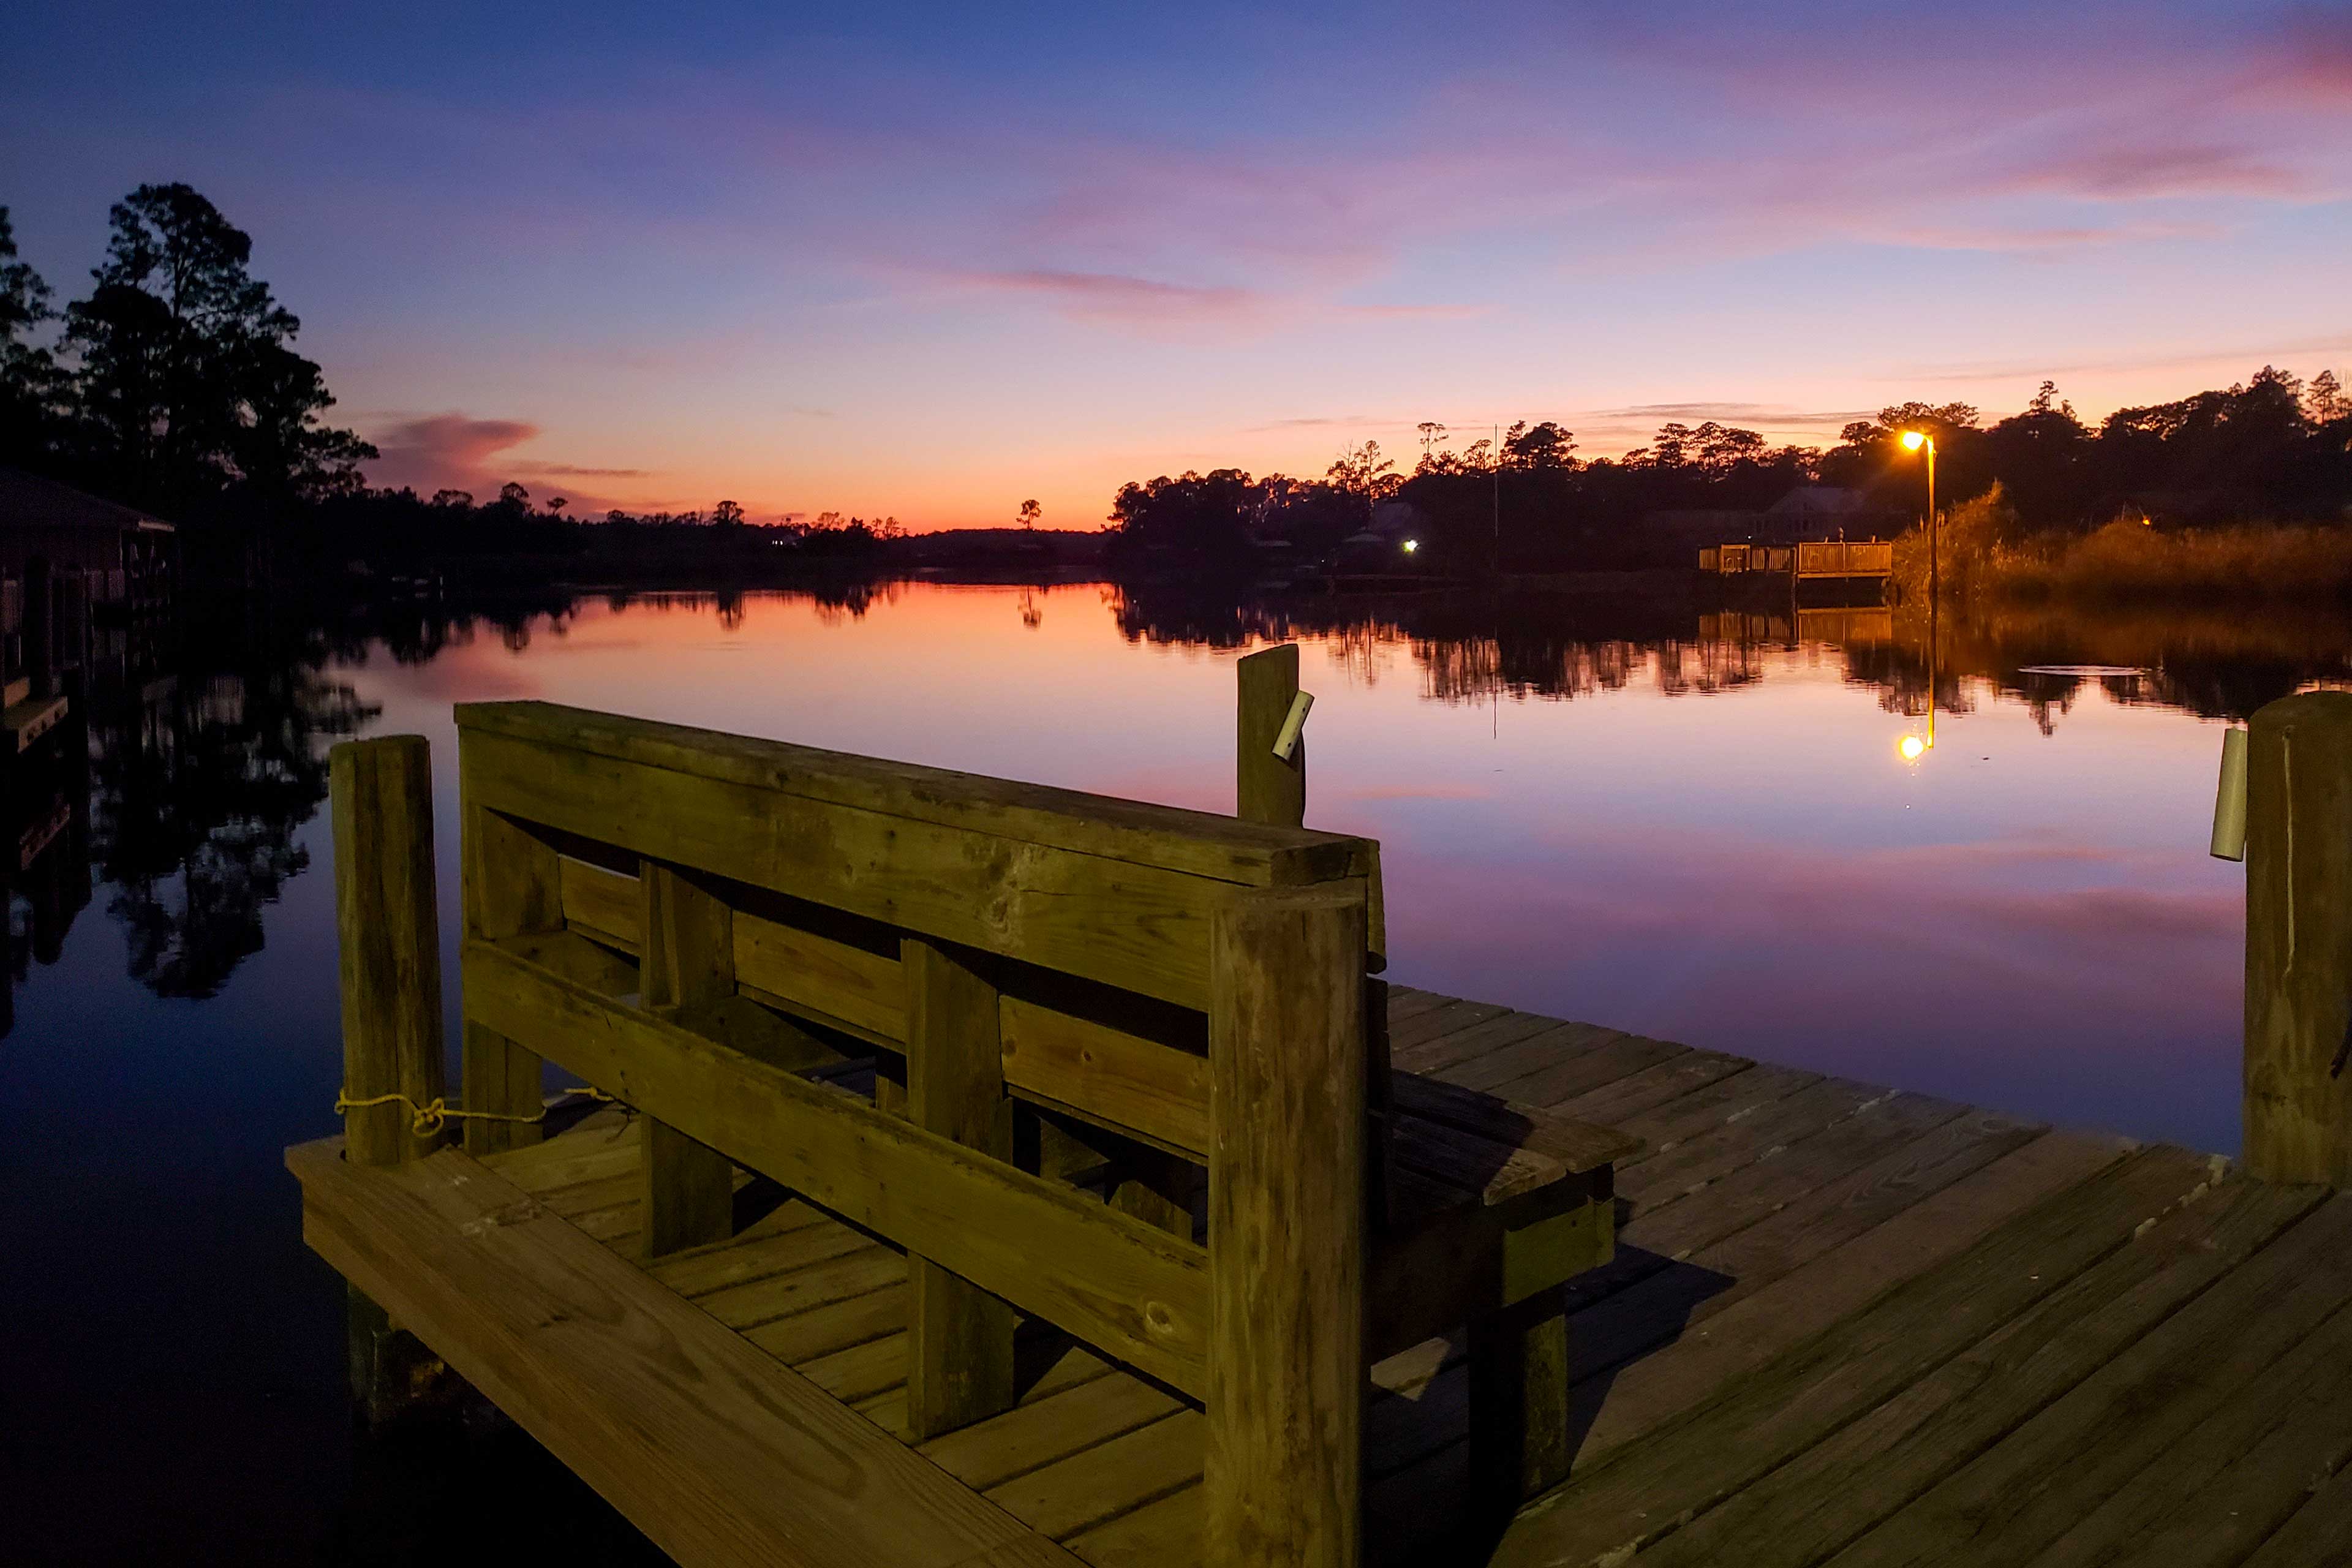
x=203, y=760
x=1474, y=646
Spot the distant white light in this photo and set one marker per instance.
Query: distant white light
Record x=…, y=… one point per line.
x=1410, y=545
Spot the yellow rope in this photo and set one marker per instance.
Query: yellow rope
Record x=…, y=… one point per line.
x=428, y=1118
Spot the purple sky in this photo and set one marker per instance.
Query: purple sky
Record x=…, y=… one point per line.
x=931, y=261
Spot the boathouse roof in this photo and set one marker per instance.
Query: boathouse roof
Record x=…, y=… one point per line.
x=30, y=501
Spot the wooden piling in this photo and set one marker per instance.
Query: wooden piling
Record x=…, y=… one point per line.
x=1285, y=1361
x=2298, y=1048
x=959, y=1351
x=389, y=965
x=686, y=960
x=1267, y=788
x=389, y=942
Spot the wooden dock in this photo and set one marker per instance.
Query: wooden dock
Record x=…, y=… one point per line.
x=1839, y=1324
x=1845, y=1324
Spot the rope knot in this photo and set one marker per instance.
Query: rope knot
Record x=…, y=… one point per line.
x=428, y=1120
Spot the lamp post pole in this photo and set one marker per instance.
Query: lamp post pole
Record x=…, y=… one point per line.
x=1935, y=531
x=1913, y=440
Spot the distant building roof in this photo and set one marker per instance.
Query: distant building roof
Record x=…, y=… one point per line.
x=1820, y=501
x=27, y=501
x=1393, y=520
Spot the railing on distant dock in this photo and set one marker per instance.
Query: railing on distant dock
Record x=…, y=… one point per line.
x=1815, y=560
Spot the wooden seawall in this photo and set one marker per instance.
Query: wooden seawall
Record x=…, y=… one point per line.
x=1839, y=1323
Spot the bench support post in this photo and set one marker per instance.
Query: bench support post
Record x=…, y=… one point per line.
x=685, y=958
x=1285, y=1367
x=512, y=885
x=1519, y=1402
x=1156, y=1188
x=960, y=1365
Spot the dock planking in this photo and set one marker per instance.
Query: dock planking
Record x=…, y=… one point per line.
x=1845, y=1325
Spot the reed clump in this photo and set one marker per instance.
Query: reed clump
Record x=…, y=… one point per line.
x=1982, y=554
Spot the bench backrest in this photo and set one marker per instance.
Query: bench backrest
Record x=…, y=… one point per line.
x=1190, y=986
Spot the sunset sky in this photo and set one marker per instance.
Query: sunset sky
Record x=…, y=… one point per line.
x=931, y=260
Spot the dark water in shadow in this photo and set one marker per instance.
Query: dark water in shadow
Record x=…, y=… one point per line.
x=1689, y=821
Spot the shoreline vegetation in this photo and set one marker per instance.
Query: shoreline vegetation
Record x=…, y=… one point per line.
x=174, y=386
x=1983, y=554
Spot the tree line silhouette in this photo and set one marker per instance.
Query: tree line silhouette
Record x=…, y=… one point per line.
x=2273, y=448
x=173, y=385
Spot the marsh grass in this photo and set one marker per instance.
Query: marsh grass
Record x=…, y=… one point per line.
x=1984, y=556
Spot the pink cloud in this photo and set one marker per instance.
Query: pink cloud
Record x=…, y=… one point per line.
x=2243, y=355
x=1156, y=303
x=1140, y=300
x=446, y=451
x=2133, y=172
x=456, y=451
x=2314, y=56
x=2034, y=240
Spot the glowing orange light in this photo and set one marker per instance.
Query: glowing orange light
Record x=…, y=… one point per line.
x=1912, y=747
x=1913, y=440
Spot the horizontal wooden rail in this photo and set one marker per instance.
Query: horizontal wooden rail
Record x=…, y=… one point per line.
x=1107, y=1075
x=1136, y=1292
x=1131, y=1085
x=1123, y=1082
x=1139, y=928
x=1163, y=837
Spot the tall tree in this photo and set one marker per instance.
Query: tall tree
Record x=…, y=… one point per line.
x=185, y=378
x=28, y=374
x=1363, y=472
x=1543, y=447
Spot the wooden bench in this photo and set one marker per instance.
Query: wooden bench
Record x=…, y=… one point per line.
x=1092, y=1064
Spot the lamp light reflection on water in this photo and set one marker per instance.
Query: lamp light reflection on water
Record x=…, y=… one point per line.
x=1912, y=747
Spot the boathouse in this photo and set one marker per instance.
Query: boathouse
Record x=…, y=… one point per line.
x=73, y=569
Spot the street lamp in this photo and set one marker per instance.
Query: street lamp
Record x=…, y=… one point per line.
x=1913, y=440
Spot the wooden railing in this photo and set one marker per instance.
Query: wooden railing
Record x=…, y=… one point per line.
x=1838, y=558
x=702, y=926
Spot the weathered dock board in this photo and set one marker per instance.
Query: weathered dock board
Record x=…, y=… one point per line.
x=1846, y=1325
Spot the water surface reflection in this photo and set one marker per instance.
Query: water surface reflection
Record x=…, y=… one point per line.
x=1688, y=819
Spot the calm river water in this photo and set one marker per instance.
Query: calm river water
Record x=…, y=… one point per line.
x=1693, y=824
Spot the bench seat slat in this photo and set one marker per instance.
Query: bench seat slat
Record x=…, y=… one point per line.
x=747, y=1463
x=1578, y=1146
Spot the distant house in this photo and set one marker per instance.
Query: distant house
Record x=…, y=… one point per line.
x=1821, y=502
x=1379, y=544
x=74, y=572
